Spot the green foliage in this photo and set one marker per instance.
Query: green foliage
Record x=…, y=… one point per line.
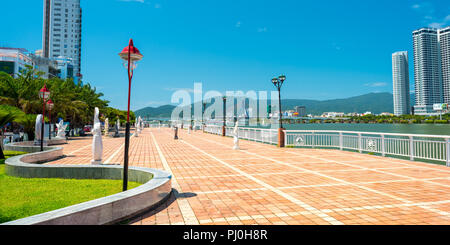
x=28, y=122
x=440, y=121
x=74, y=102
x=8, y=114
x=112, y=114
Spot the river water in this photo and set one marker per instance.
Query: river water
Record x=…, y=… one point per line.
x=434, y=129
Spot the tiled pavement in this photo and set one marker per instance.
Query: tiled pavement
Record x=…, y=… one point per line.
x=263, y=184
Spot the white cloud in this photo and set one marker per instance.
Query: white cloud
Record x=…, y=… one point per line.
x=138, y=1
x=443, y=23
x=263, y=29
x=376, y=84
x=336, y=46
x=427, y=10
x=189, y=90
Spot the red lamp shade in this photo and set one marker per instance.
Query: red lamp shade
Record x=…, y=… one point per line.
x=135, y=55
x=50, y=104
x=44, y=93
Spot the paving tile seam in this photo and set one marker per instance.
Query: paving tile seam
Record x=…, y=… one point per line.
x=419, y=204
x=312, y=186
x=331, y=220
x=183, y=204
x=232, y=191
x=375, y=170
x=397, y=162
x=385, y=158
x=379, y=171
x=362, y=187
x=333, y=178
x=368, y=182
x=79, y=149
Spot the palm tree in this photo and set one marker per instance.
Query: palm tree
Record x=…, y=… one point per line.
x=8, y=114
x=28, y=121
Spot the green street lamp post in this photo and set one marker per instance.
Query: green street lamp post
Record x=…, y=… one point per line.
x=278, y=82
x=224, y=98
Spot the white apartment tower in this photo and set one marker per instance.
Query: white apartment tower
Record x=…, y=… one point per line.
x=427, y=70
x=444, y=43
x=62, y=31
x=400, y=81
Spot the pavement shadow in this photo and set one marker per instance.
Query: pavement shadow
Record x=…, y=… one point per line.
x=174, y=195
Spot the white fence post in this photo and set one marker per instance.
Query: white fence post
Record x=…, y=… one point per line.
x=285, y=138
x=359, y=143
x=313, y=139
x=341, y=141
x=411, y=148
x=447, y=163
x=383, y=149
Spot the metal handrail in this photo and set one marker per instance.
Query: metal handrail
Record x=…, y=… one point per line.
x=371, y=133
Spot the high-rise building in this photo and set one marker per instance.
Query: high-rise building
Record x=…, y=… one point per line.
x=62, y=31
x=427, y=70
x=301, y=110
x=444, y=44
x=400, y=81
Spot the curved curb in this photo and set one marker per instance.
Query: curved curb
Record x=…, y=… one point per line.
x=106, y=210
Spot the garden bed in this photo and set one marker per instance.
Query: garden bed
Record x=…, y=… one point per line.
x=23, y=197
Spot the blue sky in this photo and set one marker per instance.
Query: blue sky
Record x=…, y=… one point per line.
x=327, y=49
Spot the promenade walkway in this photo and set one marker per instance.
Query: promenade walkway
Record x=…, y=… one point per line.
x=263, y=184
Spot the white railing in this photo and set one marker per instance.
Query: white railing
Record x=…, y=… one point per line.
x=213, y=129
x=429, y=147
x=152, y=125
x=269, y=136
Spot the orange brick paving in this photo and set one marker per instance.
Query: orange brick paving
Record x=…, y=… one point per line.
x=263, y=184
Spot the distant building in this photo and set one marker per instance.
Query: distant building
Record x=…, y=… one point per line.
x=301, y=110
x=400, y=81
x=65, y=67
x=48, y=67
x=444, y=44
x=333, y=114
x=427, y=70
x=14, y=60
x=62, y=31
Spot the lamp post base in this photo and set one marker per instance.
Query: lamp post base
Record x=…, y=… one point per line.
x=175, y=137
x=281, y=137
x=223, y=131
x=96, y=162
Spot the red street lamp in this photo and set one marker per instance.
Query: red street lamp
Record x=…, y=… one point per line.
x=50, y=106
x=44, y=94
x=130, y=55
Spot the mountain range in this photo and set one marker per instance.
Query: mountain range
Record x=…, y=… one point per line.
x=373, y=102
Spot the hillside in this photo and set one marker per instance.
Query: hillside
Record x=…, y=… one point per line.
x=373, y=102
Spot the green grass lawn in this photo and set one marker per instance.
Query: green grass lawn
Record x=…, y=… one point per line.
x=9, y=154
x=23, y=197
